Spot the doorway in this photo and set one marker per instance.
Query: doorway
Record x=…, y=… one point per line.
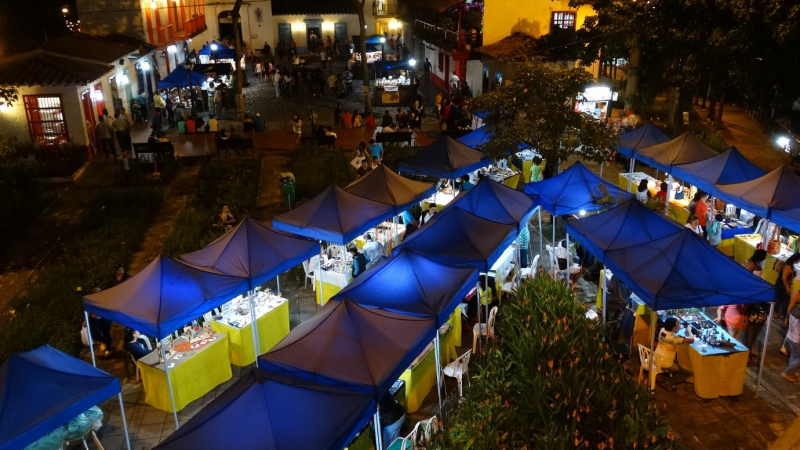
x=226, y=29
x=88, y=113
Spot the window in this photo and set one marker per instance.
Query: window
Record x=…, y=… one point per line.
x=46, y=119
x=564, y=20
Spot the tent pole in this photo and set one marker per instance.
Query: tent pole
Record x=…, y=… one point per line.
x=124, y=421
x=604, y=286
x=653, y=315
x=630, y=173
x=438, y=371
x=541, y=237
x=89, y=337
x=569, y=262
x=376, y=423
x=254, y=324
x=488, y=300
x=319, y=277
x=169, y=385
x=764, y=347
x=601, y=169
x=478, y=292
x=278, y=282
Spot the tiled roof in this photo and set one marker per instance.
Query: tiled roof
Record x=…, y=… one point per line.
x=313, y=7
x=519, y=46
x=42, y=68
x=436, y=5
x=106, y=49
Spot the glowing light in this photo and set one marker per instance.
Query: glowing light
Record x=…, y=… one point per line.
x=172, y=49
x=383, y=40
x=65, y=10
x=412, y=62
x=783, y=142
x=123, y=79
x=153, y=5
x=145, y=66
x=214, y=47
x=97, y=95
x=582, y=212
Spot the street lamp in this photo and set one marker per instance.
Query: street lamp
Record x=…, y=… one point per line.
x=213, y=50
x=412, y=62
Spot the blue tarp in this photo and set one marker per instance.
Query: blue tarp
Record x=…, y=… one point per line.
x=445, y=158
x=222, y=51
x=460, y=238
x=254, y=251
x=164, y=296
x=476, y=139
x=334, y=215
x=773, y=196
x=728, y=167
x=666, y=265
x=644, y=136
x=572, y=191
x=413, y=285
x=384, y=186
x=43, y=389
x=684, y=149
x=179, y=78
x=347, y=345
x=270, y=411
x=497, y=202
x=375, y=39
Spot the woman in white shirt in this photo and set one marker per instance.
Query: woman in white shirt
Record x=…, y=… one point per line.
x=642, y=193
x=694, y=225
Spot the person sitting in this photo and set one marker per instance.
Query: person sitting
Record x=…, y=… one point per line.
x=329, y=132
x=181, y=124
x=662, y=192
x=357, y=120
x=191, y=126
x=247, y=123
x=401, y=118
x=388, y=129
x=694, y=225
x=642, y=192
x=213, y=125
x=364, y=168
x=359, y=261
x=667, y=350
x=135, y=344
x=387, y=119
x=347, y=120
x=369, y=122
x=410, y=223
x=258, y=123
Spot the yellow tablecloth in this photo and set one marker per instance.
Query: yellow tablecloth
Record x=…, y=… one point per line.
x=192, y=377
x=714, y=375
x=272, y=327
x=455, y=323
x=421, y=378
x=743, y=247
x=365, y=440
x=329, y=291
x=512, y=181
x=677, y=208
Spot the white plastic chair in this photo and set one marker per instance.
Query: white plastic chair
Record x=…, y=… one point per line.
x=645, y=355
x=419, y=437
x=457, y=369
x=309, y=275
x=555, y=271
x=483, y=329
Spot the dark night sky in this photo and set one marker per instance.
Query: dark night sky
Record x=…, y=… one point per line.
x=25, y=21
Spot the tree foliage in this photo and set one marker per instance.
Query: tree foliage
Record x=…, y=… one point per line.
x=536, y=108
x=552, y=383
x=8, y=95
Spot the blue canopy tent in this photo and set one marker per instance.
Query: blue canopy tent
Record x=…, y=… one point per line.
x=164, y=296
x=334, y=215
x=221, y=52
x=179, y=78
x=374, y=39
x=410, y=284
x=270, y=411
x=772, y=196
x=644, y=136
x=43, y=389
x=476, y=139
x=256, y=252
x=352, y=347
x=573, y=191
x=445, y=158
x=684, y=149
x=729, y=167
x=384, y=186
x=497, y=202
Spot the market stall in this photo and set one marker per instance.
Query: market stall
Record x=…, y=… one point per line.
x=506, y=176
x=643, y=136
x=44, y=389
x=421, y=376
x=275, y=412
x=596, y=101
x=272, y=325
x=679, y=196
x=479, y=137
x=197, y=365
x=392, y=91
x=446, y=159
x=745, y=244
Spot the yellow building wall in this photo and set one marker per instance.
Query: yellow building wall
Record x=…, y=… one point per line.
x=501, y=18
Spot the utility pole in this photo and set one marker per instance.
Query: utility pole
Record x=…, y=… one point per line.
x=362, y=21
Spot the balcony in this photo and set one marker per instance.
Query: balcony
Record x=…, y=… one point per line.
x=385, y=8
x=192, y=27
x=160, y=35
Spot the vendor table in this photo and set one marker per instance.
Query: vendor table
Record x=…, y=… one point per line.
x=745, y=244
x=420, y=377
x=385, y=234
x=510, y=178
x=392, y=95
x=193, y=375
x=727, y=244
x=331, y=281
x=273, y=325
x=718, y=371
x=677, y=208
x=440, y=198
x=503, y=267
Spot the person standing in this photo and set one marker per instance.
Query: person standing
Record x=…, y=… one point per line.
x=314, y=119
x=714, y=229
x=103, y=132
x=429, y=215
x=122, y=131
x=523, y=244
x=426, y=70
x=159, y=104
x=536, y=169
x=783, y=285
x=375, y=149
x=372, y=250
x=359, y=261
x=792, y=344
x=297, y=127
x=734, y=318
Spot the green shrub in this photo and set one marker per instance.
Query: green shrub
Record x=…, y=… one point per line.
x=315, y=168
x=111, y=230
x=552, y=383
x=233, y=183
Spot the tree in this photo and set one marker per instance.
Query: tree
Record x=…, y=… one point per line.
x=362, y=26
x=238, y=54
x=552, y=383
x=8, y=95
x=537, y=109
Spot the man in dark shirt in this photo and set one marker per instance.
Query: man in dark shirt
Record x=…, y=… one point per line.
x=135, y=345
x=359, y=261
x=364, y=169
x=387, y=119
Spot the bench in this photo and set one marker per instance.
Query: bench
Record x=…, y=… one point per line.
x=330, y=141
x=395, y=138
x=154, y=148
x=237, y=145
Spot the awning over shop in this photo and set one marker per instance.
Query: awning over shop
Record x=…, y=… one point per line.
x=222, y=51
x=496, y=202
x=384, y=186
x=413, y=285
x=179, y=78
x=350, y=346
x=574, y=190
x=728, y=167
x=772, y=196
x=644, y=136
x=445, y=158
x=334, y=215
x=164, y=296
x=253, y=251
x=43, y=389
x=684, y=149
x=270, y=411
x=460, y=238
x=666, y=265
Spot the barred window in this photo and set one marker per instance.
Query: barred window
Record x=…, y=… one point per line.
x=46, y=119
x=564, y=20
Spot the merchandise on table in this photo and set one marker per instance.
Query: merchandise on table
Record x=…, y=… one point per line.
x=236, y=312
x=440, y=198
